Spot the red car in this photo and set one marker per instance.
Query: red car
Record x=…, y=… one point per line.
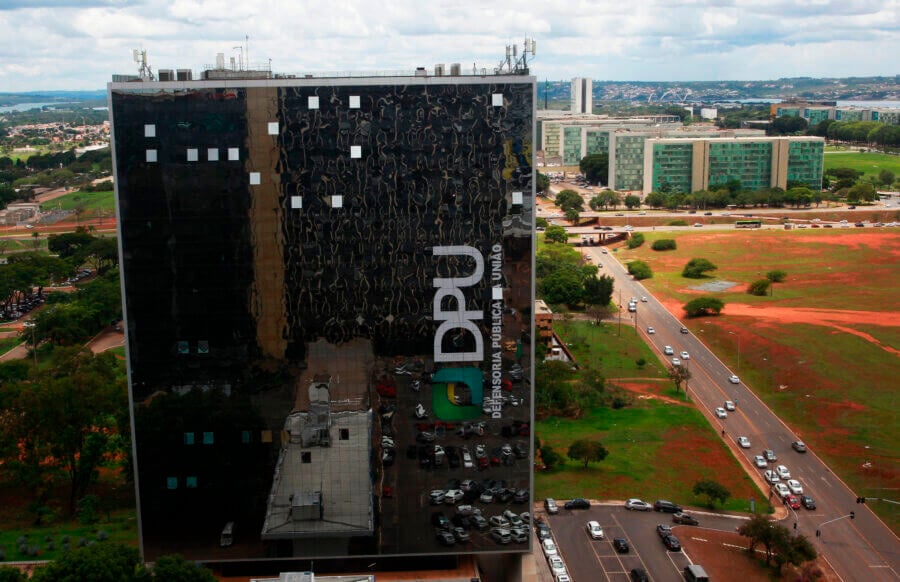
x=792, y=501
x=386, y=388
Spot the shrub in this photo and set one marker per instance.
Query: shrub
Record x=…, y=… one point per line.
x=776, y=276
x=664, y=244
x=759, y=287
x=677, y=223
x=102, y=536
x=696, y=268
x=639, y=270
x=635, y=240
x=704, y=306
x=641, y=362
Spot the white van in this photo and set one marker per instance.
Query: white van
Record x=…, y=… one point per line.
x=227, y=537
x=695, y=573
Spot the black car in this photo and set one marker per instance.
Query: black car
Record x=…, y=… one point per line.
x=663, y=530
x=440, y=521
x=685, y=519
x=672, y=543
x=684, y=330
x=621, y=545
x=639, y=575
x=452, y=457
x=543, y=530
x=807, y=502
x=666, y=506
x=444, y=537
x=578, y=503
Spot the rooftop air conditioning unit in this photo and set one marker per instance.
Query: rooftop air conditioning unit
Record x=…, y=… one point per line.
x=165, y=75
x=184, y=74
x=455, y=69
x=420, y=72
x=439, y=70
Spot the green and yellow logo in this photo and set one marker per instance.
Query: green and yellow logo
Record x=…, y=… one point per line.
x=457, y=393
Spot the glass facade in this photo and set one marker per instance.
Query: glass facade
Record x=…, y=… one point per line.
x=806, y=160
x=629, y=162
x=551, y=141
x=672, y=166
x=328, y=289
x=572, y=146
x=597, y=142
x=748, y=161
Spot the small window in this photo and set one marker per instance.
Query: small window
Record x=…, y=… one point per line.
x=188, y=438
x=355, y=152
x=296, y=202
x=149, y=130
x=345, y=434
x=172, y=482
x=354, y=101
x=517, y=198
x=234, y=154
x=208, y=438
x=245, y=437
x=306, y=457
x=190, y=482
x=184, y=347
x=265, y=436
x=151, y=156
x=193, y=154
x=272, y=128
x=212, y=154
x=254, y=178
x=313, y=102
x=203, y=347
x=337, y=201
x=497, y=99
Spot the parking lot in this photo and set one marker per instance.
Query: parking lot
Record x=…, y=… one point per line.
x=588, y=559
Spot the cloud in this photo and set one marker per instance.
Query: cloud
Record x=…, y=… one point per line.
x=78, y=44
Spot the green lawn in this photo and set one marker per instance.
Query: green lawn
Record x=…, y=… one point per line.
x=47, y=542
x=867, y=162
x=656, y=450
x=8, y=343
x=88, y=202
x=613, y=353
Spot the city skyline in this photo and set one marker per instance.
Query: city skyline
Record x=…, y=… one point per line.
x=78, y=44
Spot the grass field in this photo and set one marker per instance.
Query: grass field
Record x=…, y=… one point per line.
x=867, y=162
x=8, y=343
x=614, y=354
x=822, y=351
x=89, y=203
x=48, y=541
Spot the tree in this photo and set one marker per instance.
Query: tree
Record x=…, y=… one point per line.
x=11, y=574
x=696, y=268
x=664, y=244
x=639, y=270
x=886, y=177
x=563, y=286
x=598, y=290
x=632, y=201
x=759, y=287
x=175, y=568
x=68, y=244
x=550, y=457
x=713, y=490
x=704, y=306
x=781, y=547
x=635, y=240
x=787, y=125
x=595, y=168
x=572, y=215
x=679, y=375
x=98, y=563
x=862, y=192
x=556, y=233
x=541, y=222
x=587, y=451
x=568, y=199
x=776, y=276
x=543, y=183
x=604, y=199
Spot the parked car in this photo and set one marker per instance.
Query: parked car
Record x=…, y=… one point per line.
x=501, y=535
x=460, y=534
x=684, y=330
x=444, y=537
x=549, y=547
x=557, y=566
x=621, y=545
x=672, y=544
x=543, y=530
x=666, y=506
x=637, y=505
x=685, y=519
x=743, y=442
x=795, y=487
x=453, y=496
x=799, y=446
x=550, y=506
x=639, y=575
x=577, y=503
x=807, y=502
x=594, y=530
x=720, y=412
x=663, y=530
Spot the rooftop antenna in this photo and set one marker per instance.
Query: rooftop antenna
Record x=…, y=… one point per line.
x=240, y=57
x=140, y=57
x=514, y=63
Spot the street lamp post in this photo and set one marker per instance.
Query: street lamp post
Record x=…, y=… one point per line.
x=739, y=349
x=33, y=341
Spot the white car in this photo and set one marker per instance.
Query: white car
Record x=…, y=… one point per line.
x=676, y=362
x=720, y=412
x=651, y=330
x=771, y=476
x=734, y=379
x=550, y=547
x=668, y=350
x=783, y=472
x=729, y=405
x=760, y=462
x=604, y=251
x=795, y=487
x=453, y=496
x=594, y=530
x=556, y=565
x=437, y=496
x=467, y=458
x=638, y=505
x=744, y=442
x=782, y=490
x=685, y=356
x=643, y=299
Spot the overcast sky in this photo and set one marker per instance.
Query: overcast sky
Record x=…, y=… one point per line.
x=78, y=44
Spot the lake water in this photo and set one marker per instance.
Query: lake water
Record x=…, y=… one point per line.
x=28, y=106
x=840, y=103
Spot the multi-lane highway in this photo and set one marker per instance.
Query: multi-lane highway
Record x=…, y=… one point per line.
x=859, y=549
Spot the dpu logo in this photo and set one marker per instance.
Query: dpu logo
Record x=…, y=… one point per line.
x=457, y=393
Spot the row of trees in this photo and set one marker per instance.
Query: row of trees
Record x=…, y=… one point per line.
x=861, y=132
x=563, y=277
x=732, y=193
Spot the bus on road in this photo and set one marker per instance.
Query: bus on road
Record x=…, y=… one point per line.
x=748, y=224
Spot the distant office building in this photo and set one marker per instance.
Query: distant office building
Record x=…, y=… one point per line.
x=567, y=135
x=328, y=293
x=582, y=100
x=817, y=112
x=689, y=165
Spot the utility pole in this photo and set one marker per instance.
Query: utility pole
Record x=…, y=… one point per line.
x=620, y=313
x=739, y=349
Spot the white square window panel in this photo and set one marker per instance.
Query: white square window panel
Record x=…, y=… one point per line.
x=517, y=198
x=354, y=101
x=234, y=154
x=296, y=202
x=355, y=151
x=496, y=293
x=151, y=156
x=273, y=128
x=193, y=154
x=312, y=102
x=497, y=99
x=212, y=154
x=254, y=178
x=337, y=201
x=149, y=130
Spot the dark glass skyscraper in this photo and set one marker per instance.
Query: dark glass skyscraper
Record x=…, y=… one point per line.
x=328, y=288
